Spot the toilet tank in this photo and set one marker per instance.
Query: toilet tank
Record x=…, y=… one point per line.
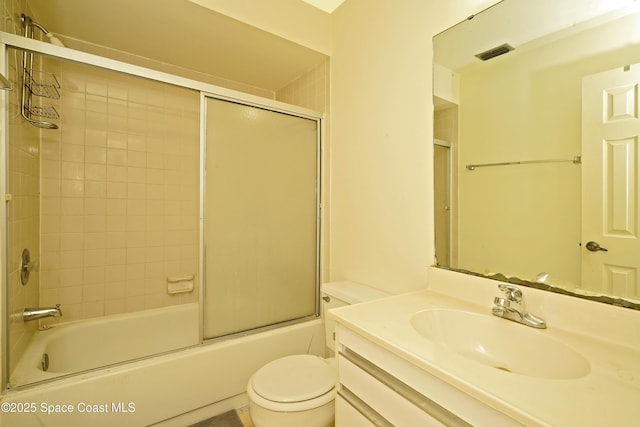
x=339, y=294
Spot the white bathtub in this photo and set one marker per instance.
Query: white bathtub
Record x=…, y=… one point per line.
x=173, y=389
x=89, y=344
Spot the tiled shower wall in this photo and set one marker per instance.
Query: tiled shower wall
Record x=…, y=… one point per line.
x=11, y=11
x=120, y=189
x=120, y=193
x=310, y=90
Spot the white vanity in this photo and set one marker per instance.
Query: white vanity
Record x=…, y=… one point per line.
x=438, y=357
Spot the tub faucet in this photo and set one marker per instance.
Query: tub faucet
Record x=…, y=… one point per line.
x=512, y=307
x=40, y=313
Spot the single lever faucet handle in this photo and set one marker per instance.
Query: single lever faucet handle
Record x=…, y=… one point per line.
x=513, y=292
x=502, y=307
x=501, y=302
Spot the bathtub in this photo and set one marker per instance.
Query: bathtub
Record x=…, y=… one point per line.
x=171, y=389
x=90, y=344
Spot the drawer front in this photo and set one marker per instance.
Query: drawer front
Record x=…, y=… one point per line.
x=348, y=416
x=393, y=407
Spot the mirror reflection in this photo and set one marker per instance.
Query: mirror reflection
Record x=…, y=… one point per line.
x=536, y=146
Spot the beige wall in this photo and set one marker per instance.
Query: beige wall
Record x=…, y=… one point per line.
x=381, y=139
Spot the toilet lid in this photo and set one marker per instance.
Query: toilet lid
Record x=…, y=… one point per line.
x=294, y=379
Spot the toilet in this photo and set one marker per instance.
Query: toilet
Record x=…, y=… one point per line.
x=299, y=390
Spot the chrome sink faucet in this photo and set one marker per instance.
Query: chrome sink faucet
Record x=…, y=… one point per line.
x=40, y=313
x=511, y=307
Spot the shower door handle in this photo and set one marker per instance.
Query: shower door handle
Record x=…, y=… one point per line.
x=595, y=247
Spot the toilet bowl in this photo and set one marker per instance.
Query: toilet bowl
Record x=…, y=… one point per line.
x=299, y=390
x=293, y=391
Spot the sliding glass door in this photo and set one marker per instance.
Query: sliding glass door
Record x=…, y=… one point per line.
x=260, y=217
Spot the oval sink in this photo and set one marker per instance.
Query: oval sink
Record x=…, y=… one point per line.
x=500, y=344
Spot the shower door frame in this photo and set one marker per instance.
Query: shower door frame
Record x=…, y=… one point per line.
x=276, y=107
x=8, y=40
x=4, y=260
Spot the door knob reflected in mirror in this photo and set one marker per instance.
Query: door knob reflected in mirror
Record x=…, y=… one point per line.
x=595, y=247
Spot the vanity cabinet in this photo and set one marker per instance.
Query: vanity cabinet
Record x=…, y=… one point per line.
x=379, y=388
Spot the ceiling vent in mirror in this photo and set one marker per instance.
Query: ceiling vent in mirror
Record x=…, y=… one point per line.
x=496, y=51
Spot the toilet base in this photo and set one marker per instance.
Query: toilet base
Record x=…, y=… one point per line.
x=322, y=416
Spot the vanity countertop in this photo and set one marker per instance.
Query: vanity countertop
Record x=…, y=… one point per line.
x=609, y=394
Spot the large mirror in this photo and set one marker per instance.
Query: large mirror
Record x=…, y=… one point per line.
x=536, y=134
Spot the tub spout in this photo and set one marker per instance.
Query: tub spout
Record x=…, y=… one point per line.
x=40, y=313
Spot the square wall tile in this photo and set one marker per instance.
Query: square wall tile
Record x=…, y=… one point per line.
x=113, y=187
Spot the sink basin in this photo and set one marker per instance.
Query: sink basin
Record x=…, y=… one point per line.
x=500, y=344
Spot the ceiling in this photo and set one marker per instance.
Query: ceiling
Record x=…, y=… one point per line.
x=182, y=33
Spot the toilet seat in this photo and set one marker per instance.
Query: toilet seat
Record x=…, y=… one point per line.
x=297, y=383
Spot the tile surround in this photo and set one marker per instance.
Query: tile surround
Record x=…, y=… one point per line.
x=120, y=193
x=310, y=90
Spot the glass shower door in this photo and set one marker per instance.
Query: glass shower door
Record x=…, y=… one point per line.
x=108, y=207
x=260, y=218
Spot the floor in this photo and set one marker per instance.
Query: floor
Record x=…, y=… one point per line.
x=243, y=414
x=235, y=418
